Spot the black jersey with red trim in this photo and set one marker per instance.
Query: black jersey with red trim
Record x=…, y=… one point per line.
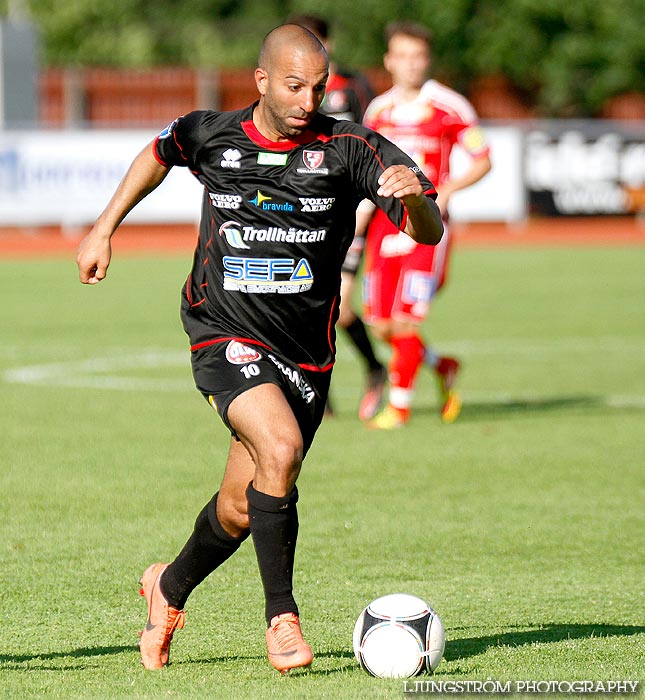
x=277, y=220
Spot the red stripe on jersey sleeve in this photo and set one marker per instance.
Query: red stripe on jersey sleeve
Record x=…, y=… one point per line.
x=156, y=155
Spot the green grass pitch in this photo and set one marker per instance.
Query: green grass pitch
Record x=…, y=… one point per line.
x=522, y=523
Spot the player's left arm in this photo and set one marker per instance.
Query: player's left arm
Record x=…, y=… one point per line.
x=471, y=138
x=478, y=168
x=424, y=222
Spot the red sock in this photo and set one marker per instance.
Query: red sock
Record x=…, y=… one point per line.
x=407, y=357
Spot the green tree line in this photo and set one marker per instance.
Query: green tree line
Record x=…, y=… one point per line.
x=566, y=57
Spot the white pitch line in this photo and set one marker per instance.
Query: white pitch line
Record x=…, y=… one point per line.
x=104, y=372
x=99, y=372
x=625, y=401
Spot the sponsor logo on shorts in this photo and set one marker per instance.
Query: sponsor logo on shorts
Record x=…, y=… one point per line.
x=267, y=275
x=231, y=158
x=418, y=287
x=294, y=376
x=316, y=203
x=313, y=161
x=239, y=354
x=266, y=203
x=225, y=201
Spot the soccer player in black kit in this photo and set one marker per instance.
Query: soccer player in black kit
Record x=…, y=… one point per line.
x=281, y=186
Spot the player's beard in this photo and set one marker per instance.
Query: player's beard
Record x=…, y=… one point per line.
x=277, y=119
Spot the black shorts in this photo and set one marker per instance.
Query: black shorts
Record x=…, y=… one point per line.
x=225, y=369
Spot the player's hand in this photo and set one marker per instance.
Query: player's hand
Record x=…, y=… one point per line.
x=93, y=257
x=399, y=181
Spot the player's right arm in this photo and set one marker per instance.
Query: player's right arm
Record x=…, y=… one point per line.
x=95, y=250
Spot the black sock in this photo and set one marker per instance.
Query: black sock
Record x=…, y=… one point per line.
x=358, y=334
x=208, y=547
x=274, y=529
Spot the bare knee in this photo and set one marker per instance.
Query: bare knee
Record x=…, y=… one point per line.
x=398, y=328
x=233, y=512
x=269, y=432
x=346, y=316
x=278, y=465
x=382, y=331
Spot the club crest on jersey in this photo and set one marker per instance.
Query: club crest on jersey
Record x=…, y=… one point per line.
x=313, y=159
x=239, y=354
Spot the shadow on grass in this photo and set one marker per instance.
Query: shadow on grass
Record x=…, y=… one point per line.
x=39, y=661
x=344, y=655
x=341, y=655
x=16, y=661
x=459, y=649
x=474, y=410
x=456, y=649
x=466, y=648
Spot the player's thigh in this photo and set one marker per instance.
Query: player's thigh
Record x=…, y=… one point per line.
x=223, y=371
x=380, y=283
x=264, y=422
x=266, y=450
x=416, y=286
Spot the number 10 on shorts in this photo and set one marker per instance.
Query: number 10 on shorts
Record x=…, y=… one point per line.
x=250, y=371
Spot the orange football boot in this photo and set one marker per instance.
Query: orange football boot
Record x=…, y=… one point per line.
x=286, y=647
x=373, y=395
x=162, y=622
x=390, y=418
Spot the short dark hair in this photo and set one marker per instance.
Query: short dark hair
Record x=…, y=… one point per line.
x=313, y=23
x=413, y=29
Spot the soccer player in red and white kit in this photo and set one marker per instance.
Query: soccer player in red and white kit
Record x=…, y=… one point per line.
x=426, y=120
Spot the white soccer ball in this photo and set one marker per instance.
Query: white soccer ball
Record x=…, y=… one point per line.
x=398, y=636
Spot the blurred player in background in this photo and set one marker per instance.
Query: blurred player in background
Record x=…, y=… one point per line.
x=425, y=119
x=348, y=92
x=347, y=96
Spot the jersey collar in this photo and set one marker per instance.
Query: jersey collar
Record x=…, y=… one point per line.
x=252, y=132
